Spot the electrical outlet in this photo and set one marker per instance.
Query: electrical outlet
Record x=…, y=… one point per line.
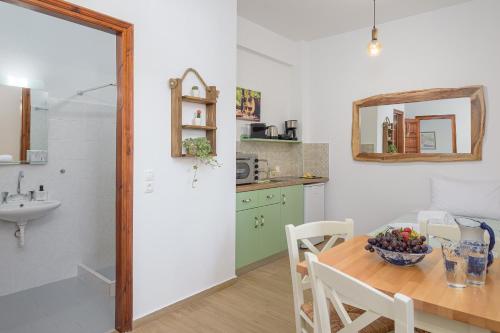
x=149, y=187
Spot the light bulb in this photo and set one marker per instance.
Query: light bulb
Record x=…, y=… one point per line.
x=374, y=48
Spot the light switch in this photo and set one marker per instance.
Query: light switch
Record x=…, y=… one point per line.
x=149, y=175
x=149, y=187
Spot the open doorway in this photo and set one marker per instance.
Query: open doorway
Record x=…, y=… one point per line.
x=121, y=176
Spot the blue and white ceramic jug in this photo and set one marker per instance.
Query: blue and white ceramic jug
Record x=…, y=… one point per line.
x=472, y=230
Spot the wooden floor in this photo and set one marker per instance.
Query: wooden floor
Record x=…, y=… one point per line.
x=259, y=301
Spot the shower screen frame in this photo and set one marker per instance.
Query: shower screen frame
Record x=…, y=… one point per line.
x=124, y=138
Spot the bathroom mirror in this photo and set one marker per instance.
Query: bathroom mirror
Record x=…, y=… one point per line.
x=23, y=125
x=426, y=125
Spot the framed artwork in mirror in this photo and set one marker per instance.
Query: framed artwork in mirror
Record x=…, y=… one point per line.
x=435, y=125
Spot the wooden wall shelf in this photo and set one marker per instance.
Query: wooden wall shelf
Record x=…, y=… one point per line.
x=196, y=127
x=197, y=100
x=268, y=140
x=210, y=101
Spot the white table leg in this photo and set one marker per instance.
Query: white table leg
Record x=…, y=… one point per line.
x=436, y=324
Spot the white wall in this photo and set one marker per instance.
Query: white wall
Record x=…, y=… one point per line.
x=269, y=63
x=451, y=47
x=183, y=237
x=443, y=134
x=81, y=141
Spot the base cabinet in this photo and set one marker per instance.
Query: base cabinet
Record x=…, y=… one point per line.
x=260, y=229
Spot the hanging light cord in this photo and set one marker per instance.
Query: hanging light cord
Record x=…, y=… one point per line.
x=374, y=13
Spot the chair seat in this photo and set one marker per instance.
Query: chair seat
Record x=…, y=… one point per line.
x=381, y=325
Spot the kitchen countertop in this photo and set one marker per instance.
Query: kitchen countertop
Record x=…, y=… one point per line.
x=280, y=182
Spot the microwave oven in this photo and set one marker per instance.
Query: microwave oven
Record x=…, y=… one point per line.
x=246, y=168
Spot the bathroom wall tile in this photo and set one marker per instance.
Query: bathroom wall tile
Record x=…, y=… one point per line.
x=81, y=141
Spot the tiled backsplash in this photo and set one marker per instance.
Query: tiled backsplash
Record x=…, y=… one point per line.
x=292, y=159
x=316, y=159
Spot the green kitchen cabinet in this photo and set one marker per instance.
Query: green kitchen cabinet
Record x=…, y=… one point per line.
x=247, y=236
x=292, y=205
x=260, y=221
x=271, y=230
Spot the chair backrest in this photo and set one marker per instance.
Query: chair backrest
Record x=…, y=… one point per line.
x=447, y=231
x=332, y=285
x=301, y=234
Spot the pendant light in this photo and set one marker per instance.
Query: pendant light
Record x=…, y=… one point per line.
x=374, y=47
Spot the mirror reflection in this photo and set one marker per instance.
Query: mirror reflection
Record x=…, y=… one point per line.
x=23, y=125
x=429, y=127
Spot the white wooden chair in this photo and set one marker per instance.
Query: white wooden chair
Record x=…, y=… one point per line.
x=332, y=285
x=295, y=234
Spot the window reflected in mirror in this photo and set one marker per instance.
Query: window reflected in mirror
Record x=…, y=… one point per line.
x=23, y=125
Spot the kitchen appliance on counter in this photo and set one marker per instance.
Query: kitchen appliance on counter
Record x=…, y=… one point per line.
x=272, y=132
x=258, y=130
x=247, y=168
x=291, y=129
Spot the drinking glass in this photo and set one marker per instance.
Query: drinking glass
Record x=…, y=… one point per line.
x=455, y=264
x=477, y=261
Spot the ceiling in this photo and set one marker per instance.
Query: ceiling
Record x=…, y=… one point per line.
x=312, y=19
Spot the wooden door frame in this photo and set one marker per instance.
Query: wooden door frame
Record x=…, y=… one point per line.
x=399, y=129
x=418, y=131
x=124, y=138
x=25, y=124
x=453, y=126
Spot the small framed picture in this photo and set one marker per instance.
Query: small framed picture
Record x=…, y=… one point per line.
x=428, y=140
x=247, y=104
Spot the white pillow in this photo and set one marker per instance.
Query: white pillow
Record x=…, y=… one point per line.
x=466, y=197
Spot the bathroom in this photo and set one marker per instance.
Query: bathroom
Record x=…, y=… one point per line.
x=57, y=272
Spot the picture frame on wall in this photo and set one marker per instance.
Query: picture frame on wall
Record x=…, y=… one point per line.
x=248, y=104
x=428, y=140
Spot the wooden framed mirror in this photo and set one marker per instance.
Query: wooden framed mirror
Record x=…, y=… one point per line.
x=434, y=125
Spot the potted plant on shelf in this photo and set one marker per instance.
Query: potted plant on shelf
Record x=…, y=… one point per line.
x=201, y=150
x=197, y=118
x=195, y=91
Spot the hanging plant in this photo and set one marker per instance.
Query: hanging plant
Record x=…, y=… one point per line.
x=201, y=150
x=392, y=148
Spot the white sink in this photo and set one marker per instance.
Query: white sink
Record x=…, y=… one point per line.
x=24, y=211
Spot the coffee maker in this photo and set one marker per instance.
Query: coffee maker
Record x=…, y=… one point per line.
x=291, y=129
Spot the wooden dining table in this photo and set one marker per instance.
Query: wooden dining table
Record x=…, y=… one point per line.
x=438, y=308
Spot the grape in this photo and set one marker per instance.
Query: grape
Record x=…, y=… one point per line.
x=368, y=247
x=372, y=241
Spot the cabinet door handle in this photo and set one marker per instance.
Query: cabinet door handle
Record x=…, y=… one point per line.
x=284, y=199
x=256, y=222
x=270, y=196
x=262, y=220
x=246, y=200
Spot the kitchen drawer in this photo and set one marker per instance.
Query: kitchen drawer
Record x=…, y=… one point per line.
x=269, y=196
x=247, y=200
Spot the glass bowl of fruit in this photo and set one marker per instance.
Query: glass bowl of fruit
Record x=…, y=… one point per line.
x=401, y=247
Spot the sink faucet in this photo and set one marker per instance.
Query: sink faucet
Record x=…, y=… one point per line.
x=5, y=196
x=19, y=178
